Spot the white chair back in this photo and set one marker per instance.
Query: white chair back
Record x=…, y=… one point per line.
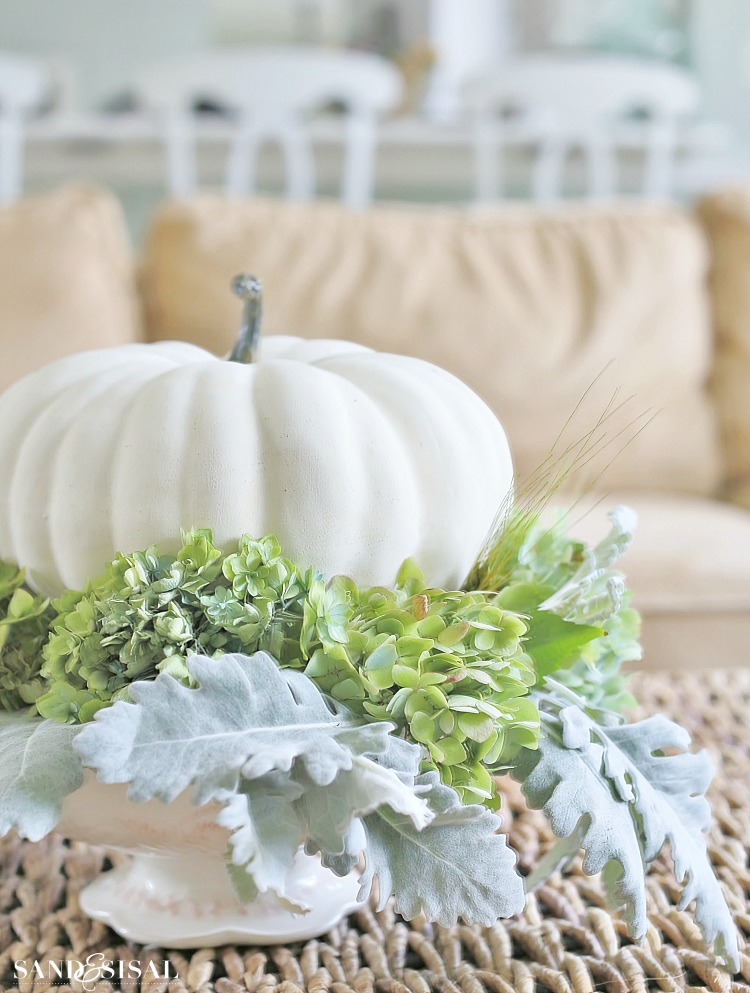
x=564, y=102
x=24, y=84
x=273, y=91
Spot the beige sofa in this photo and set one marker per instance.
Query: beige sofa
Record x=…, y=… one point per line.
x=536, y=310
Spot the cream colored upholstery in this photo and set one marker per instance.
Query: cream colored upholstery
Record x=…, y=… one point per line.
x=66, y=279
x=726, y=217
x=689, y=568
x=527, y=307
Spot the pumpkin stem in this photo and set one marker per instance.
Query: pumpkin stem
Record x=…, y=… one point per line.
x=249, y=289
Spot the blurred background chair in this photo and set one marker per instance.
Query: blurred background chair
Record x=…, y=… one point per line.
x=271, y=93
x=24, y=86
x=590, y=103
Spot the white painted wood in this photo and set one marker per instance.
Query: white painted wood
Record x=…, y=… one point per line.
x=581, y=102
x=24, y=83
x=416, y=159
x=274, y=91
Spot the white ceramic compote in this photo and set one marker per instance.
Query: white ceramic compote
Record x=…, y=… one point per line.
x=174, y=890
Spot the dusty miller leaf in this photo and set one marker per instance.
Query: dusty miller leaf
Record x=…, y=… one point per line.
x=247, y=718
x=285, y=763
x=613, y=792
x=341, y=851
x=266, y=831
x=592, y=595
x=356, y=792
x=669, y=798
x=355, y=843
x=458, y=867
x=271, y=816
x=462, y=870
x=38, y=768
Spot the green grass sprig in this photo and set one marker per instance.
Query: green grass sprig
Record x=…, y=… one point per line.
x=585, y=459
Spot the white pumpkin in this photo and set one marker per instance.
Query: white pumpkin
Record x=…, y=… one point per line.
x=353, y=458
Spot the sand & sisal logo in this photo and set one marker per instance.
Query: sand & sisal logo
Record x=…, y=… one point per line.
x=94, y=969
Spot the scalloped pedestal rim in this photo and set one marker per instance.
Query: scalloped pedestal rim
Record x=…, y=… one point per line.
x=187, y=901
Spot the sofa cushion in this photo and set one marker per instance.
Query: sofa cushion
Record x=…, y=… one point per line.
x=689, y=570
x=528, y=307
x=726, y=217
x=66, y=279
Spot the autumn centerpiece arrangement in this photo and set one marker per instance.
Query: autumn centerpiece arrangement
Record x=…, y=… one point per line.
x=249, y=610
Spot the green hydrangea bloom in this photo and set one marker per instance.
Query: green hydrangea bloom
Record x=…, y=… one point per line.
x=24, y=627
x=148, y=612
x=447, y=668
x=451, y=670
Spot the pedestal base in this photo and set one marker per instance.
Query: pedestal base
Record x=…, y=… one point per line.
x=187, y=901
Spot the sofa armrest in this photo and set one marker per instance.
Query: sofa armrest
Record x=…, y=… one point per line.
x=67, y=281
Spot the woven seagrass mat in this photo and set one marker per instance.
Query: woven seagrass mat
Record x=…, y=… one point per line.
x=566, y=940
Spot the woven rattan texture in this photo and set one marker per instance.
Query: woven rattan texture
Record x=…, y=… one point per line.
x=565, y=941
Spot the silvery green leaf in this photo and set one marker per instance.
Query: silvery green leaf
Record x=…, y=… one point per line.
x=354, y=844
x=402, y=757
x=568, y=785
x=356, y=792
x=38, y=768
x=266, y=831
x=458, y=867
x=241, y=880
x=669, y=797
x=576, y=729
x=559, y=858
x=622, y=798
x=371, y=785
x=247, y=718
x=624, y=522
x=333, y=813
x=592, y=595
